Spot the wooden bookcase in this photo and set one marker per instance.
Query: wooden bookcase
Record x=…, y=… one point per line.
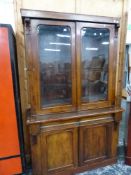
x=73, y=121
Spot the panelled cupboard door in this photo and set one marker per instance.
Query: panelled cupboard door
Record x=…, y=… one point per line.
x=95, y=142
x=95, y=65
x=51, y=61
x=55, y=149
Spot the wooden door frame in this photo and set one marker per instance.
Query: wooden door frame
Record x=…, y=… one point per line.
x=34, y=77
x=111, y=67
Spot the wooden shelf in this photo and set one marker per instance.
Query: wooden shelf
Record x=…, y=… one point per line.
x=34, y=119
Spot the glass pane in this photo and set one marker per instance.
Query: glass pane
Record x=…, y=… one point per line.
x=94, y=67
x=54, y=44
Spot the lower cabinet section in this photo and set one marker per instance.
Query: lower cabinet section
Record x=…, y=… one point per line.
x=67, y=148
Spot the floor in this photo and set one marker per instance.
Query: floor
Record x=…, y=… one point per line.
x=117, y=169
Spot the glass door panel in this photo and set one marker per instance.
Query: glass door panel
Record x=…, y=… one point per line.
x=94, y=63
x=54, y=47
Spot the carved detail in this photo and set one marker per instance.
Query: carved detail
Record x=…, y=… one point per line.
x=35, y=131
x=27, y=25
x=117, y=117
x=34, y=139
x=28, y=113
x=116, y=31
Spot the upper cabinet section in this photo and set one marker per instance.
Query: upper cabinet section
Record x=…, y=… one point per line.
x=71, y=61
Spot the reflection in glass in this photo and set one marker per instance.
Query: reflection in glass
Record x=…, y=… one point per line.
x=94, y=67
x=54, y=44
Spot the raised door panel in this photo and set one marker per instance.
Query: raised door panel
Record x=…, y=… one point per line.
x=59, y=150
x=95, y=142
x=95, y=145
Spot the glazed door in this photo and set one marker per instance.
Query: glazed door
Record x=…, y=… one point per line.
x=52, y=66
x=95, y=65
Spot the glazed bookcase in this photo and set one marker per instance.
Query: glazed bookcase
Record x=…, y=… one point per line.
x=73, y=120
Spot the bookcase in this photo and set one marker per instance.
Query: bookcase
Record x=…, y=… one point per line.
x=73, y=120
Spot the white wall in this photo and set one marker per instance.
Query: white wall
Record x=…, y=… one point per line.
x=7, y=7
x=111, y=8
x=128, y=36
x=7, y=15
